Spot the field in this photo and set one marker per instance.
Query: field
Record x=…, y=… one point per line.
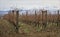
x=13, y=25
x=8, y=30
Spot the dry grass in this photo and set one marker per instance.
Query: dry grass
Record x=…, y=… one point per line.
x=8, y=30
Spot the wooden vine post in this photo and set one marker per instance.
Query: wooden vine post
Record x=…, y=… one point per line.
x=26, y=17
x=35, y=18
x=9, y=14
x=17, y=17
x=44, y=18
x=58, y=18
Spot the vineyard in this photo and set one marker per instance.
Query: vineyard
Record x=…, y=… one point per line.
x=39, y=24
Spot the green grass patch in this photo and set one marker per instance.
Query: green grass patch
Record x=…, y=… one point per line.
x=24, y=27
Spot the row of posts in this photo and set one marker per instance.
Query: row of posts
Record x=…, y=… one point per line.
x=44, y=18
x=15, y=17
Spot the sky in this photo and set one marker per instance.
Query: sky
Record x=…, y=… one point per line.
x=29, y=4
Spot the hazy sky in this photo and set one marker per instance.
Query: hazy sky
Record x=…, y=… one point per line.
x=28, y=4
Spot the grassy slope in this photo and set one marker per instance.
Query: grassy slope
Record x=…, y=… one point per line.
x=8, y=30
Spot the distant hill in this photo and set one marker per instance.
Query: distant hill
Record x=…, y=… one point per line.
x=31, y=11
x=3, y=12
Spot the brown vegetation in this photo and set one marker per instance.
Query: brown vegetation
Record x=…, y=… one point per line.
x=42, y=20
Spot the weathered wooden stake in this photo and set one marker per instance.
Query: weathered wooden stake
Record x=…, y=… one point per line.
x=27, y=17
x=58, y=18
x=17, y=16
x=35, y=18
x=44, y=18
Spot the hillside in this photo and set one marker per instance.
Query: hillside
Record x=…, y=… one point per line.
x=8, y=30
